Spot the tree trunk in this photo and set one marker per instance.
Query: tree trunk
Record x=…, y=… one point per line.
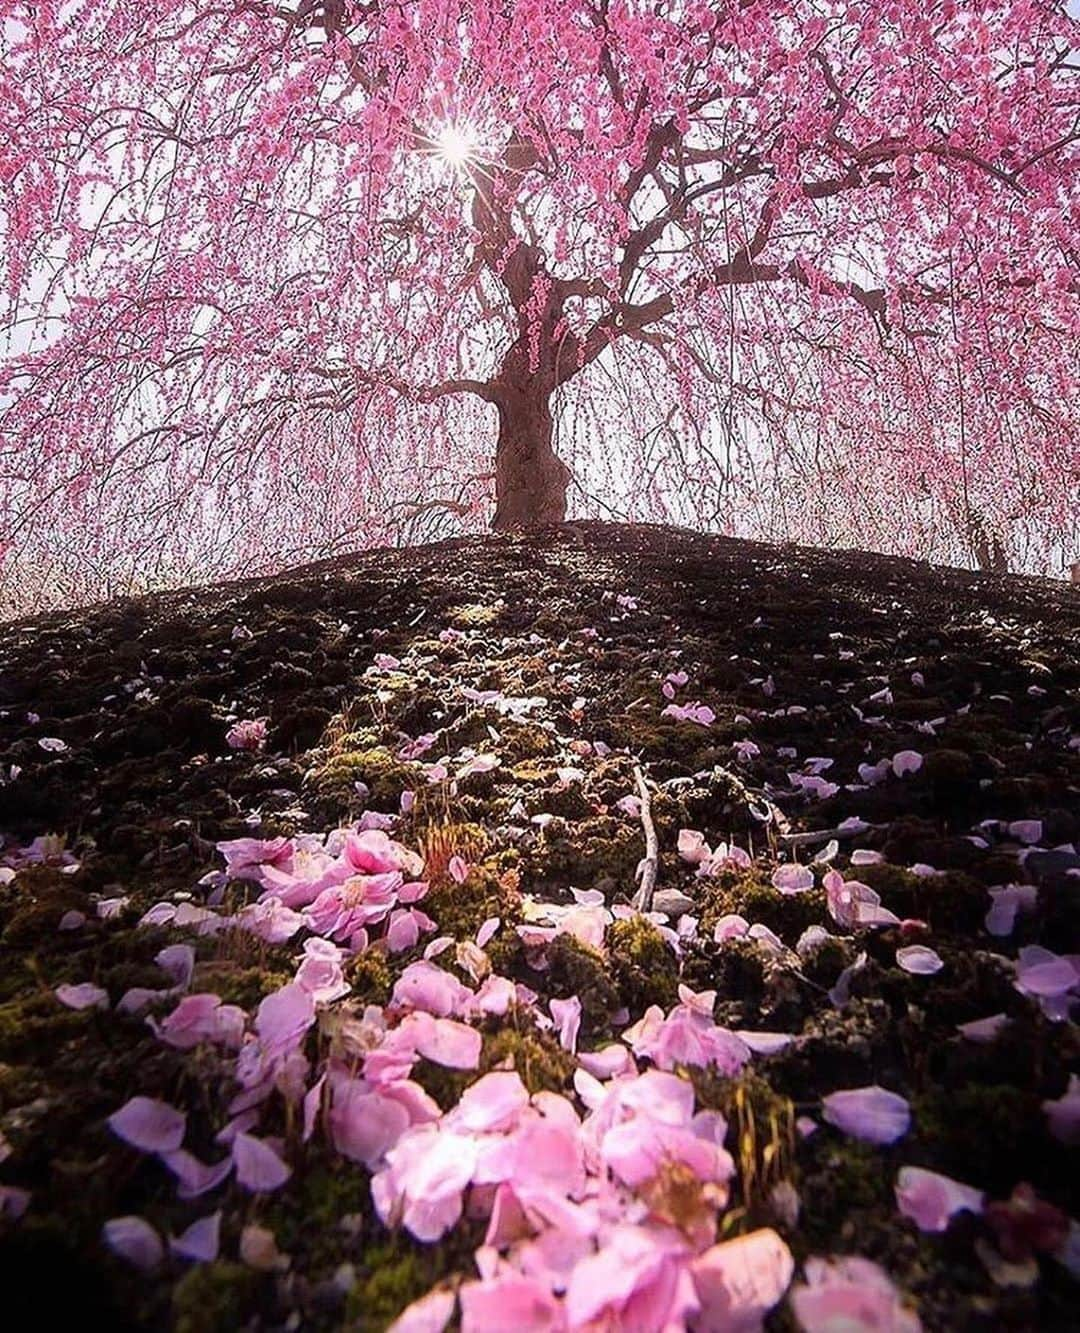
x=530, y=479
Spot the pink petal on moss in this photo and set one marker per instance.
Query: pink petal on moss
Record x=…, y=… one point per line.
x=793, y=878
x=195, y=1177
x=919, y=959
x=134, y=1239
x=739, y=1282
x=201, y=1241
x=83, y=996
x=493, y=1103
x=149, y=1125
x=512, y=1301
x=872, y=1114
x=451, y=1044
x=930, y=1199
x=430, y=1314
x=258, y=1167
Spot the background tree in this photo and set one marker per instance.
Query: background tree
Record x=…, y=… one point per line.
x=283, y=277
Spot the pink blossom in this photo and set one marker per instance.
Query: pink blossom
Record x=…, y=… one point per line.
x=493, y=1103
x=364, y=1123
x=1026, y=830
x=178, y=961
x=195, y=1176
x=254, y=854
x=270, y=920
x=487, y=931
x=509, y=1301
x=793, y=878
x=638, y=1280
x=905, y=762
x=730, y=927
x=609, y=1062
x=202, y=1017
x=567, y=1016
x=249, y=734
x=853, y=904
x=149, y=1125
x=919, y=959
x=444, y=1041
x=1048, y=978
x=429, y=1314
x=850, y=1294
x=83, y=996
x=424, y=986
x=702, y=714
x=341, y=910
x=685, y=1036
x=983, y=1029
x=201, y=1241
x=872, y=1114
x=134, y=1239
x=930, y=1199
x=1006, y=902
x=258, y=1166
x=13, y=1201
x=283, y=1018
x=372, y=852
x=320, y=972
x=423, y=1181
x=740, y=1281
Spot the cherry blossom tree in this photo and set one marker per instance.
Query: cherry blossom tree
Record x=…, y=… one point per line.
x=286, y=276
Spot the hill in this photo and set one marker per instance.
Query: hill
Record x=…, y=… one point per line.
x=881, y=758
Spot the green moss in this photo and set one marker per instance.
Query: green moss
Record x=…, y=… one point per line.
x=214, y=1298
x=397, y=1272
x=34, y=904
x=990, y=1134
x=461, y=909
x=37, y=1024
x=237, y=984
x=18, y=1084
x=642, y=965
x=761, y=1129
x=524, y=740
x=735, y=969
x=533, y=772
x=306, y=1220
x=540, y=1061
x=371, y=978
x=786, y=914
x=846, y=1182
x=576, y=969
x=948, y=902
x=385, y=776
x=673, y=748
x=593, y=849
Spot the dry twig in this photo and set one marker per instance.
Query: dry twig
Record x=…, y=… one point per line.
x=649, y=866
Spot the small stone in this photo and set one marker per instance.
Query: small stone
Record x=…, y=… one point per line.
x=672, y=902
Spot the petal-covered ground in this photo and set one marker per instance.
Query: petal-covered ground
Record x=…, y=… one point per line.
x=612, y=929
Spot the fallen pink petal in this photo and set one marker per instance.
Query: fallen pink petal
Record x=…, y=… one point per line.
x=873, y=1114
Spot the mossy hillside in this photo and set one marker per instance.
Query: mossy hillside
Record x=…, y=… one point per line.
x=726, y=615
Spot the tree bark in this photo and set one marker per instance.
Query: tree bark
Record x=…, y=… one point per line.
x=530, y=478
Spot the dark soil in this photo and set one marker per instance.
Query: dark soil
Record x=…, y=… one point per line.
x=141, y=691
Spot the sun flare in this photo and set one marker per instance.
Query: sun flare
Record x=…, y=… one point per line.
x=456, y=145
